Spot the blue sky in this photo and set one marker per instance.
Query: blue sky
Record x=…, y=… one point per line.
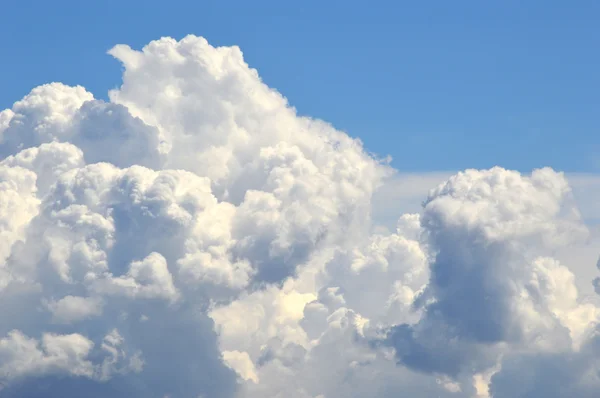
x=437, y=85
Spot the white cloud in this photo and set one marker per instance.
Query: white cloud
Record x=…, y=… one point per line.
x=489, y=285
x=242, y=364
x=146, y=279
x=72, y=308
x=22, y=356
x=195, y=237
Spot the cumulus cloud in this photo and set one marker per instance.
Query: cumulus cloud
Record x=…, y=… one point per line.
x=72, y=308
x=194, y=237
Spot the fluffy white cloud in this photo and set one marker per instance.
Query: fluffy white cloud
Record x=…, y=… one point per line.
x=72, y=308
x=195, y=237
x=22, y=355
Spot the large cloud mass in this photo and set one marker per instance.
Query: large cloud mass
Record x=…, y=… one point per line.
x=195, y=237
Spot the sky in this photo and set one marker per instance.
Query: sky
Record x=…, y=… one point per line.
x=487, y=83
x=195, y=200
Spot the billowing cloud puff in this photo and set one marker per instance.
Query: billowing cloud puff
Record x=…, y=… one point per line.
x=493, y=287
x=195, y=237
